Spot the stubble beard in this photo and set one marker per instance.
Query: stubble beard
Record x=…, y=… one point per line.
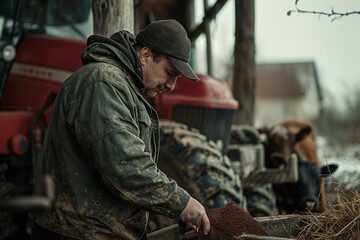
x=149, y=92
x=152, y=92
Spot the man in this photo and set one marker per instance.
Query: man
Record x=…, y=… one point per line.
x=102, y=143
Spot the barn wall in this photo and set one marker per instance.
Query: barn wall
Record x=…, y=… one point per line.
x=272, y=110
x=306, y=106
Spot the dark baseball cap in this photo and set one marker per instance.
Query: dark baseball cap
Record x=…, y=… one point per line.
x=169, y=37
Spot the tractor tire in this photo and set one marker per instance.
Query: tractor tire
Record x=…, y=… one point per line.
x=198, y=166
x=261, y=201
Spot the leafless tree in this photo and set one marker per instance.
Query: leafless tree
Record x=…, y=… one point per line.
x=335, y=15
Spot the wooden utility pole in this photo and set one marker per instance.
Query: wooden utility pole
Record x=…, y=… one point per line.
x=244, y=66
x=111, y=16
x=208, y=42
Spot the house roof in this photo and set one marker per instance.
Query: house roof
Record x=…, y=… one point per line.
x=285, y=79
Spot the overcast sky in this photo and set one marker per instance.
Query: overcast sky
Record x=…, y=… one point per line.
x=334, y=46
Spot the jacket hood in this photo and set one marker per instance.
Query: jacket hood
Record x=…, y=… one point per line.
x=117, y=50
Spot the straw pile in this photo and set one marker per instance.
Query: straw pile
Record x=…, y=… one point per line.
x=340, y=221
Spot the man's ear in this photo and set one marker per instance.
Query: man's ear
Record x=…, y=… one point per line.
x=145, y=55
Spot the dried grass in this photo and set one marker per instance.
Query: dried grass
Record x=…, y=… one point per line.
x=340, y=221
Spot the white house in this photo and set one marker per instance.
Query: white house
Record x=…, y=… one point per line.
x=287, y=90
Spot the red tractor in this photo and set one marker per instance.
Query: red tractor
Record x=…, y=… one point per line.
x=40, y=46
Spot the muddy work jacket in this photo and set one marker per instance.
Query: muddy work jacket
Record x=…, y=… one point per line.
x=101, y=147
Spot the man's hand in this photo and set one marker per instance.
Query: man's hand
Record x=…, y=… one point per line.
x=194, y=214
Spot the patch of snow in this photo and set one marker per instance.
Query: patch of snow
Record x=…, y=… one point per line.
x=348, y=172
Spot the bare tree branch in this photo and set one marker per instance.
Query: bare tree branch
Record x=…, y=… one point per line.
x=336, y=15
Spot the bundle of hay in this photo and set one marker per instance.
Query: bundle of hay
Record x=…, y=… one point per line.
x=340, y=221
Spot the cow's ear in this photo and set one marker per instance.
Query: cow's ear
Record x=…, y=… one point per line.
x=264, y=129
x=327, y=170
x=305, y=131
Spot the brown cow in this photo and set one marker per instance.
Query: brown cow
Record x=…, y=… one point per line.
x=295, y=136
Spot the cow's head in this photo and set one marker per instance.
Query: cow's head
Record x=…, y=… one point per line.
x=303, y=195
x=281, y=144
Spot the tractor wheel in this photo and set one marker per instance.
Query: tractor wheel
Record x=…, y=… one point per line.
x=198, y=166
x=261, y=201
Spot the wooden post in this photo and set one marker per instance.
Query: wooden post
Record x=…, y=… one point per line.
x=208, y=41
x=111, y=16
x=209, y=15
x=188, y=15
x=244, y=66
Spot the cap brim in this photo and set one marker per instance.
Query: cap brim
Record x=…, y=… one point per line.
x=183, y=68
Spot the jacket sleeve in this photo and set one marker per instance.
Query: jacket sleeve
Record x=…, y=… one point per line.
x=109, y=134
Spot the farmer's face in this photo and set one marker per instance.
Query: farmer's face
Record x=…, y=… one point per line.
x=158, y=75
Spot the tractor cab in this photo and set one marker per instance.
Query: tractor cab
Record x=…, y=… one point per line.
x=45, y=19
